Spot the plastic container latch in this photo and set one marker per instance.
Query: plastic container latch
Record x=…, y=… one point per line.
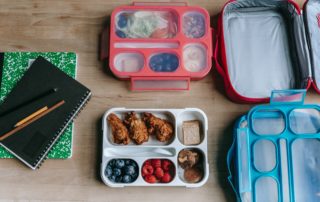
x=288, y=97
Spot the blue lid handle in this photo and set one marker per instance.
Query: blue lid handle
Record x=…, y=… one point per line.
x=288, y=97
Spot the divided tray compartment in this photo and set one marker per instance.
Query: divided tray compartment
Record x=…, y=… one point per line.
x=190, y=43
x=277, y=152
x=153, y=149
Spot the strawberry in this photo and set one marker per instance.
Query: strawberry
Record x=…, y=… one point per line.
x=166, y=165
x=166, y=178
x=159, y=173
x=150, y=179
x=156, y=163
x=147, y=170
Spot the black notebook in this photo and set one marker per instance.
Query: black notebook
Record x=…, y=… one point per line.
x=32, y=144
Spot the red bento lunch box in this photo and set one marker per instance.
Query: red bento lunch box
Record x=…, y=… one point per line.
x=267, y=45
x=158, y=46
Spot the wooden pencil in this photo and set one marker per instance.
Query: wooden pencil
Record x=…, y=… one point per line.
x=6, y=135
x=31, y=116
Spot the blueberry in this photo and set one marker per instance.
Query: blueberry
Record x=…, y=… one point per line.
x=112, y=178
x=159, y=68
x=112, y=163
x=175, y=62
x=134, y=164
x=130, y=170
x=152, y=65
x=120, y=163
x=118, y=179
x=164, y=62
x=168, y=68
x=174, y=59
x=128, y=162
x=134, y=176
x=117, y=172
x=126, y=179
x=122, y=22
x=167, y=56
x=120, y=34
x=108, y=171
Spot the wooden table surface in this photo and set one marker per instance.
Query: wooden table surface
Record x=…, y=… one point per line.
x=74, y=25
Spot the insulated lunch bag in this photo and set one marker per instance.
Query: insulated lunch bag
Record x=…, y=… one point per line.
x=267, y=45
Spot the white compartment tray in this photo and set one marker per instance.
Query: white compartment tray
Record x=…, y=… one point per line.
x=154, y=149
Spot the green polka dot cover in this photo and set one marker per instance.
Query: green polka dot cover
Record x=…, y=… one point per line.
x=14, y=66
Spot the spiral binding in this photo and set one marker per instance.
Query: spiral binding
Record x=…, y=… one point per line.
x=73, y=115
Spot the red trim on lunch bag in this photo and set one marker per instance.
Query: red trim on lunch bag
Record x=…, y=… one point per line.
x=220, y=59
x=295, y=5
x=314, y=86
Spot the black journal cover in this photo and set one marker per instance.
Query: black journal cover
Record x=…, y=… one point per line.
x=32, y=143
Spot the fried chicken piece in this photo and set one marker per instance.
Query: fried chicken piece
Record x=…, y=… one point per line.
x=162, y=129
x=137, y=128
x=119, y=130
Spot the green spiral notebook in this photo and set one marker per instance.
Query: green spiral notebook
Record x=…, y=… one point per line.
x=14, y=65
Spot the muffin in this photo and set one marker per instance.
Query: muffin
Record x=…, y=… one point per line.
x=193, y=175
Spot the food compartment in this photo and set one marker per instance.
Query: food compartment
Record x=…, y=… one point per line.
x=264, y=155
x=268, y=122
x=305, y=169
x=195, y=57
x=158, y=170
x=266, y=189
x=191, y=127
x=149, y=24
x=121, y=171
x=305, y=121
x=191, y=165
x=129, y=62
x=157, y=162
x=194, y=24
x=164, y=62
x=140, y=128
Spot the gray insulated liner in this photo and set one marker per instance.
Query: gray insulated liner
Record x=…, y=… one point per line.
x=312, y=17
x=266, y=47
